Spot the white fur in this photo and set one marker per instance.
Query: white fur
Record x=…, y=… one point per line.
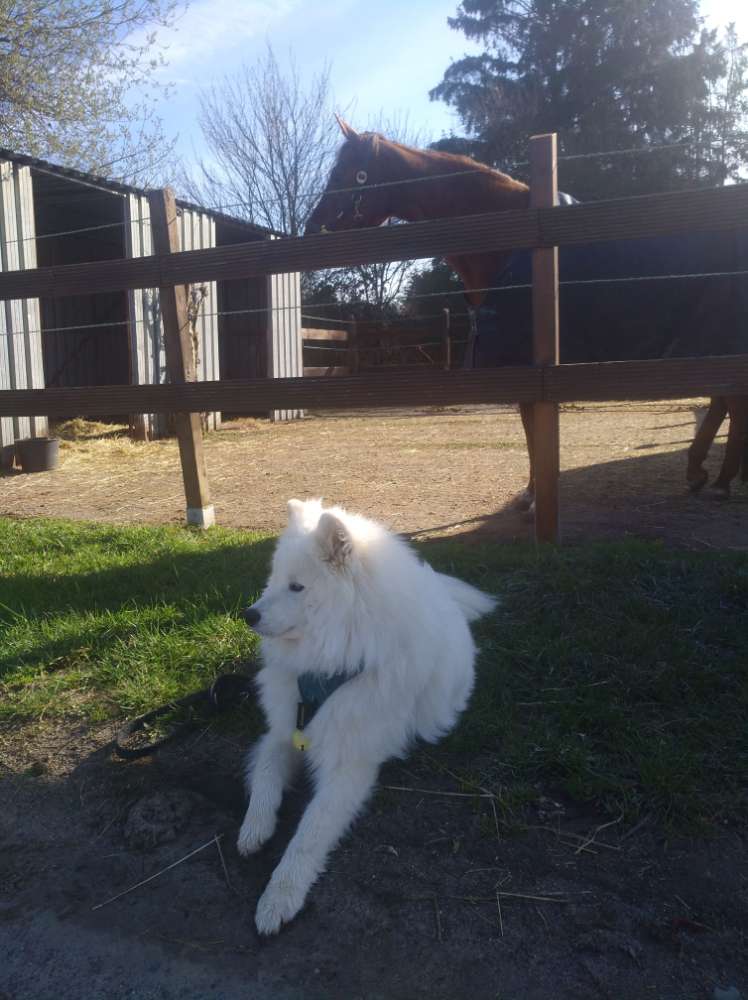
x=368, y=601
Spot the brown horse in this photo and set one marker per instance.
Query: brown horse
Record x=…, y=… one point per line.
x=736, y=451
x=456, y=186
x=371, y=182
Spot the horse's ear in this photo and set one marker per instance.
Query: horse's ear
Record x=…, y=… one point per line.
x=345, y=128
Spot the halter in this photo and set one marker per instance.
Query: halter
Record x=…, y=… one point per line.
x=357, y=197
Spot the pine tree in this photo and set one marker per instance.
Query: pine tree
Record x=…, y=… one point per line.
x=607, y=76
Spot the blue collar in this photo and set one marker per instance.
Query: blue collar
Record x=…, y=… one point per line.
x=315, y=689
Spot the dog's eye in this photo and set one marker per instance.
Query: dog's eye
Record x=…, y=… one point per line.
x=296, y=587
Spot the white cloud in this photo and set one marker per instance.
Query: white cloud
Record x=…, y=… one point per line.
x=211, y=30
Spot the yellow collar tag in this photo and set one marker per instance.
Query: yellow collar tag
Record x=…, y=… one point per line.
x=300, y=740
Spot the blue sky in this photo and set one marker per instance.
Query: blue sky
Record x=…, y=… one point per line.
x=385, y=54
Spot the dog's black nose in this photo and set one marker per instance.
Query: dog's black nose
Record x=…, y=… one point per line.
x=251, y=617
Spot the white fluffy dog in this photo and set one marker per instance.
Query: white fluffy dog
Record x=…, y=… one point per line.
x=355, y=625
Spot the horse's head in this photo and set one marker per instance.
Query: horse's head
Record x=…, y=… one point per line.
x=350, y=201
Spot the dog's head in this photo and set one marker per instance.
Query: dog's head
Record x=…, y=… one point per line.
x=311, y=579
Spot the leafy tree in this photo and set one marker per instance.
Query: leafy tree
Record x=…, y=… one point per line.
x=433, y=288
x=605, y=75
x=69, y=70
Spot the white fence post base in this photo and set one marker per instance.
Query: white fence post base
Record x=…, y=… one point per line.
x=201, y=517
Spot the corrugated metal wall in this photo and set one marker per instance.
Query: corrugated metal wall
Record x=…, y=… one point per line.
x=198, y=232
x=21, y=340
x=21, y=364
x=242, y=329
x=147, y=354
x=79, y=347
x=285, y=345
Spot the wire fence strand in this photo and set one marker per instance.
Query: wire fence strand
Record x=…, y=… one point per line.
x=480, y=168
x=267, y=310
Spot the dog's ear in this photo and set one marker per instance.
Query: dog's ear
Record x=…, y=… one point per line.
x=334, y=540
x=295, y=512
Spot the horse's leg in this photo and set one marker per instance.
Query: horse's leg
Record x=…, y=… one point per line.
x=527, y=412
x=696, y=475
x=737, y=407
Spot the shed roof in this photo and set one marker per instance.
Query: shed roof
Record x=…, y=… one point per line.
x=117, y=187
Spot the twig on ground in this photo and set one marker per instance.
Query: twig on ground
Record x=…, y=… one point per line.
x=438, y=918
x=430, y=791
x=495, y=819
x=575, y=836
x=591, y=838
x=217, y=842
x=156, y=875
x=635, y=829
x=491, y=899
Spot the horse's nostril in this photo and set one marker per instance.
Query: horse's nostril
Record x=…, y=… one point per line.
x=311, y=228
x=251, y=617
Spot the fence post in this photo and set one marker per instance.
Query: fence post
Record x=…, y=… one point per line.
x=447, y=341
x=354, y=354
x=178, y=346
x=543, y=192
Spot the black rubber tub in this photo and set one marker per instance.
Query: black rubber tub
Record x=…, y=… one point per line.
x=38, y=454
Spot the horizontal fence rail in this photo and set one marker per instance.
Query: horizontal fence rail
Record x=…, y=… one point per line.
x=620, y=218
x=609, y=381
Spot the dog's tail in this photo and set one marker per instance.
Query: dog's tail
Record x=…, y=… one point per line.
x=472, y=602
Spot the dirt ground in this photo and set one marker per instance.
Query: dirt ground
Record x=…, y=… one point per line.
x=452, y=471
x=408, y=909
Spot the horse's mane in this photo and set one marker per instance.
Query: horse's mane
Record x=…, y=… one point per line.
x=456, y=161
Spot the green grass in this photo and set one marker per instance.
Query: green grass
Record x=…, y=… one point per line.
x=101, y=621
x=615, y=674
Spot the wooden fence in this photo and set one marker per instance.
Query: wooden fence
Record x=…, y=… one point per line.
x=335, y=349
x=541, y=227
x=370, y=345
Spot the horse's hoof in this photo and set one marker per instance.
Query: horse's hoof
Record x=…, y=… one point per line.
x=697, y=482
x=719, y=493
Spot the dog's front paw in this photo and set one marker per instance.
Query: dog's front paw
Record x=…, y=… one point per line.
x=279, y=903
x=256, y=830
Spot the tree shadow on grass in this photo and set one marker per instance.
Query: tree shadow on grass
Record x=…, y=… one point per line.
x=173, y=587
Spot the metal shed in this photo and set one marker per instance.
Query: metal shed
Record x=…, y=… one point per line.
x=51, y=215
x=20, y=328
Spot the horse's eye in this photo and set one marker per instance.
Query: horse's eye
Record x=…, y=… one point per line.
x=361, y=177
x=296, y=587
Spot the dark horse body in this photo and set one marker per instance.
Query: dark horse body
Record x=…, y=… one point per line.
x=606, y=322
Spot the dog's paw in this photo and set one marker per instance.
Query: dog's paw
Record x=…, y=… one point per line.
x=278, y=904
x=255, y=831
